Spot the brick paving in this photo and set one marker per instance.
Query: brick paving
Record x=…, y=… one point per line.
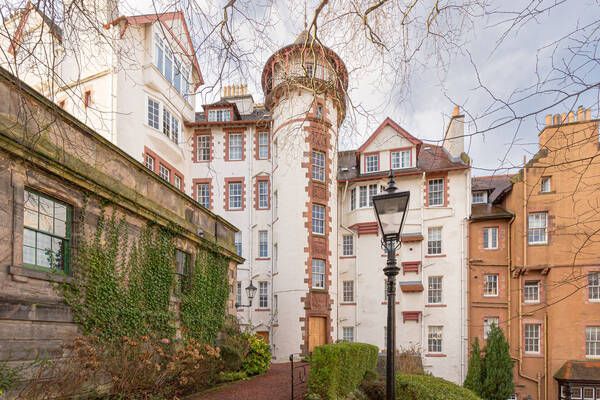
x=274, y=385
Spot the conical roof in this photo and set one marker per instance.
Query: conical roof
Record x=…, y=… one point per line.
x=304, y=37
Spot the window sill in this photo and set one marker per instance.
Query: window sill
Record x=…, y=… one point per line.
x=490, y=249
x=490, y=295
x=23, y=274
x=344, y=257
x=318, y=290
x=435, y=305
x=435, y=355
x=435, y=255
x=533, y=355
x=347, y=304
x=262, y=309
x=537, y=244
x=531, y=303
x=262, y=259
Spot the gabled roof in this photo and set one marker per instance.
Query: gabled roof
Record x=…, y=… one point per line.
x=163, y=18
x=392, y=124
x=24, y=14
x=496, y=186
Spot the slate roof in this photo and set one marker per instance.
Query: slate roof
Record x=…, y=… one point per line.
x=496, y=186
x=573, y=370
x=431, y=158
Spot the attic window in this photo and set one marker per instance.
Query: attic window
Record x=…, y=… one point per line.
x=480, y=197
x=87, y=98
x=219, y=115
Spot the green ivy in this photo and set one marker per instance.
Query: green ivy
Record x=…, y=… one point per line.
x=122, y=287
x=203, y=304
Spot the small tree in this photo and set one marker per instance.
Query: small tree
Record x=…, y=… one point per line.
x=497, y=374
x=474, y=378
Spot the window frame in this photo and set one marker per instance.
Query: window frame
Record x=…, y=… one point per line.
x=539, y=234
x=231, y=147
x=148, y=157
x=488, y=240
x=263, y=195
x=318, y=164
x=436, y=291
x=353, y=199
x=318, y=219
x=373, y=156
x=263, y=294
x=400, y=154
x=348, y=291
x=263, y=148
x=316, y=265
x=231, y=196
x=592, y=339
x=435, y=339
x=203, y=150
x=432, y=243
x=529, y=340
x=527, y=284
x=491, y=288
x=345, y=330
x=200, y=186
x=347, y=246
x=433, y=188
x=218, y=115
x=154, y=120
x=545, y=184
x=183, y=276
x=263, y=243
x=479, y=192
x=594, y=286
x=237, y=242
x=164, y=172
x=487, y=325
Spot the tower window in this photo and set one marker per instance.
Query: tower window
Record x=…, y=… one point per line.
x=319, y=111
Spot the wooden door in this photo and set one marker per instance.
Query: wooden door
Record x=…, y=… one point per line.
x=264, y=335
x=317, y=332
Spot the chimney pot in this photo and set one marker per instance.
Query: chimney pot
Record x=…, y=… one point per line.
x=556, y=119
x=571, y=116
x=580, y=113
x=588, y=114
x=548, y=119
x=563, y=118
x=456, y=111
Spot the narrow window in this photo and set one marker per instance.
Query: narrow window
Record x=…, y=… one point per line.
x=167, y=123
x=153, y=113
x=436, y=192
x=594, y=286
x=177, y=181
x=363, y=198
x=174, y=129
x=263, y=194
x=545, y=184
x=319, y=111
x=488, y=322
x=62, y=103
x=235, y=146
x=372, y=163
x=263, y=294
x=164, y=172
x=592, y=341
x=588, y=393
x=434, y=339
x=87, y=98
x=318, y=166
x=46, y=233
x=531, y=292
x=235, y=195
x=348, y=334
x=149, y=162
x=203, y=147
x=159, y=53
x=348, y=291
x=203, y=193
x=490, y=238
x=168, y=72
x=434, y=290
x=353, y=199
x=318, y=273
x=182, y=270
x=372, y=193
x=434, y=240
x=318, y=219
x=263, y=244
x=238, y=243
x=532, y=338
x=537, y=229
x=490, y=285
x=348, y=245
x=263, y=145
x=238, y=293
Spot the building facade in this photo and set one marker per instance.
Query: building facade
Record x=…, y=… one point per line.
x=533, y=265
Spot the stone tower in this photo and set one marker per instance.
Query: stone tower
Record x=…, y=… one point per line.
x=304, y=86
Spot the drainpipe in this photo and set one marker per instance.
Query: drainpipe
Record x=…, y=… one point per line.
x=509, y=280
x=546, y=355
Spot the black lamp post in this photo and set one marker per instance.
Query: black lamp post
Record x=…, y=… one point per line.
x=250, y=292
x=390, y=208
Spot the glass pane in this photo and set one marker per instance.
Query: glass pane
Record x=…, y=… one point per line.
x=60, y=212
x=31, y=200
x=30, y=218
x=29, y=238
x=43, y=258
x=45, y=223
x=28, y=255
x=44, y=242
x=60, y=228
x=46, y=206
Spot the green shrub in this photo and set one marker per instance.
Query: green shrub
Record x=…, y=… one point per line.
x=336, y=370
x=258, y=358
x=425, y=387
x=232, y=376
x=8, y=378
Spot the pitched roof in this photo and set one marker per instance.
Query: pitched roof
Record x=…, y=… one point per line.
x=391, y=123
x=579, y=371
x=482, y=212
x=163, y=18
x=23, y=15
x=496, y=186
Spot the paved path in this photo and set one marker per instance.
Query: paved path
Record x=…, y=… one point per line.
x=274, y=385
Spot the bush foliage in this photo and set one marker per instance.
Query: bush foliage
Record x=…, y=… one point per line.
x=475, y=371
x=497, y=377
x=426, y=387
x=336, y=370
x=258, y=358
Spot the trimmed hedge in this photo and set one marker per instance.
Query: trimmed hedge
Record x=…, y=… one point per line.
x=337, y=369
x=426, y=387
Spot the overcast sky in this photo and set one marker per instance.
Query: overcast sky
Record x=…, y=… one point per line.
x=506, y=72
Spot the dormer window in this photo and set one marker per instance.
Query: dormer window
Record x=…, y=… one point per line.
x=372, y=162
x=400, y=159
x=480, y=197
x=219, y=115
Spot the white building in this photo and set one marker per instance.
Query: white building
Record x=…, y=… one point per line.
x=307, y=229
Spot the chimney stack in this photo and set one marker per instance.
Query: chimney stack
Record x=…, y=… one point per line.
x=454, y=140
x=581, y=115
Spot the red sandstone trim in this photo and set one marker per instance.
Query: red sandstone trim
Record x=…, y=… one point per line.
x=195, y=183
x=398, y=150
x=226, y=191
x=257, y=147
x=198, y=133
x=437, y=175
x=262, y=178
x=159, y=160
x=226, y=145
x=372, y=153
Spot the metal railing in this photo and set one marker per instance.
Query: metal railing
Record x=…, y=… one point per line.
x=299, y=377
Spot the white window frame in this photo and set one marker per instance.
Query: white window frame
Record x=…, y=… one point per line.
x=203, y=194
x=528, y=292
x=479, y=197
x=435, y=192
x=347, y=245
x=545, y=184
x=263, y=294
x=263, y=244
x=487, y=325
x=234, y=196
x=372, y=193
x=238, y=243
x=400, y=159
x=353, y=199
x=592, y=342
x=531, y=338
x=594, y=286
x=434, y=240
x=263, y=194
x=490, y=285
x=318, y=165
x=348, y=292
x=318, y=219
x=219, y=115
x=234, y=147
x=372, y=163
x=149, y=162
x=490, y=238
x=170, y=125
x=177, y=181
x=435, y=286
x=537, y=228
x=164, y=172
x=203, y=144
x=348, y=333
x=363, y=194
x=435, y=339
x=153, y=113
x=318, y=273
x=238, y=293
x=263, y=145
